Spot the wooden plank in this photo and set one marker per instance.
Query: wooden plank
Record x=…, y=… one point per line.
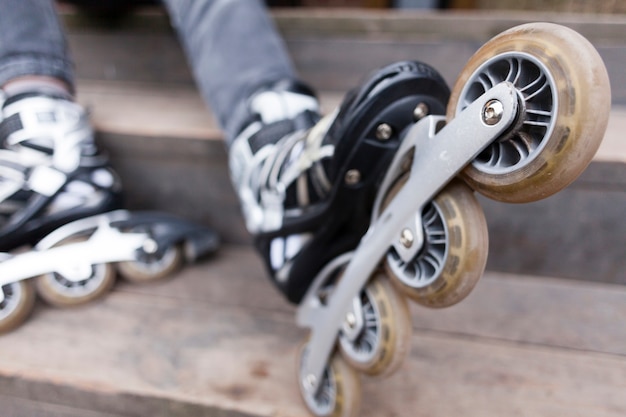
x=578, y=234
x=151, y=110
x=166, y=157
x=174, y=111
x=551, y=312
x=219, y=340
x=338, y=21
x=333, y=49
x=603, y=29
x=554, y=312
x=448, y=376
x=148, y=110
x=18, y=407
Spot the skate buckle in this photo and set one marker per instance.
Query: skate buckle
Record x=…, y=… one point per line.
x=272, y=201
x=46, y=180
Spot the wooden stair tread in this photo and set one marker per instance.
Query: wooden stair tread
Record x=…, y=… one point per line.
x=218, y=338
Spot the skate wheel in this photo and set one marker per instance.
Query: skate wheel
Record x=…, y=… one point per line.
x=18, y=303
x=565, y=102
x=59, y=291
x=454, y=252
x=152, y=267
x=339, y=393
x=382, y=344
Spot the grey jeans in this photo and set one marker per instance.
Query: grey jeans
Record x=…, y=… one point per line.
x=232, y=46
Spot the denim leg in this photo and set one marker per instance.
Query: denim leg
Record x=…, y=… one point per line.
x=32, y=41
x=233, y=49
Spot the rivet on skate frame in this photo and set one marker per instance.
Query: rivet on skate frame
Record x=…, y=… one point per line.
x=309, y=381
x=407, y=238
x=383, y=131
x=351, y=320
x=492, y=112
x=353, y=177
x=150, y=246
x=420, y=111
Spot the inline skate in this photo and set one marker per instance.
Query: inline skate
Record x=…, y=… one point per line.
x=63, y=232
x=399, y=218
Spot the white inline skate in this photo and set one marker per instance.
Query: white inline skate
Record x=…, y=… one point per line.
x=397, y=217
x=63, y=233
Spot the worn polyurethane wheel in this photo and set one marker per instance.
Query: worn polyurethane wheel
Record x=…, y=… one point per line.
x=17, y=305
x=150, y=268
x=339, y=392
x=383, y=342
x=59, y=291
x=453, y=256
x=565, y=98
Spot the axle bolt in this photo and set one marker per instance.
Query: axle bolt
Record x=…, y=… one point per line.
x=353, y=176
x=492, y=112
x=407, y=238
x=383, y=131
x=310, y=381
x=351, y=320
x=150, y=246
x=420, y=111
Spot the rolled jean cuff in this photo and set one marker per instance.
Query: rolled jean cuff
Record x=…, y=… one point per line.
x=23, y=65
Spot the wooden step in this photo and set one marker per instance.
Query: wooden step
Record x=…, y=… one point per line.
x=217, y=339
x=165, y=145
x=332, y=49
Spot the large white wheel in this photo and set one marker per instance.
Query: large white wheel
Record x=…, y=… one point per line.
x=59, y=291
x=454, y=252
x=565, y=100
x=383, y=342
x=339, y=392
x=17, y=305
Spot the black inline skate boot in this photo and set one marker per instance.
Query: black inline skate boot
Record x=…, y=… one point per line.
x=308, y=197
x=63, y=233
x=51, y=172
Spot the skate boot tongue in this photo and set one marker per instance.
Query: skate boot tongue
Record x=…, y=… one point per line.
x=274, y=159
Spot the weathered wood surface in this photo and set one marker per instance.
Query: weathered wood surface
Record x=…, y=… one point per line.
x=167, y=111
x=157, y=139
x=219, y=340
x=333, y=49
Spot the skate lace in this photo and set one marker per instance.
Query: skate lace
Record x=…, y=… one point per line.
x=295, y=161
x=275, y=168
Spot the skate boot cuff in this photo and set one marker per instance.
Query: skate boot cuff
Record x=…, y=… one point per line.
x=18, y=89
x=56, y=95
x=43, y=124
x=269, y=111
